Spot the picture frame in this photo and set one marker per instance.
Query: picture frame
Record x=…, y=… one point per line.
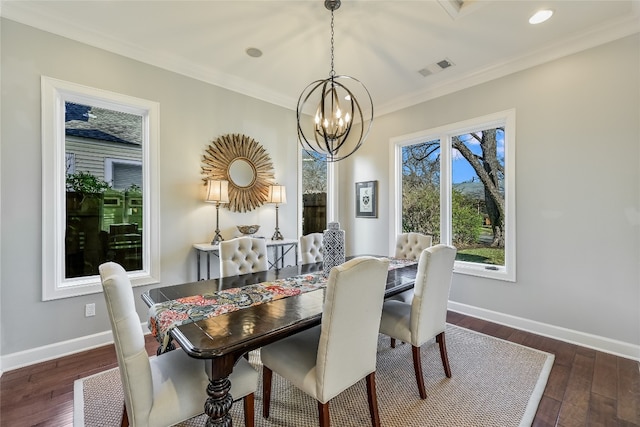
x=367, y=199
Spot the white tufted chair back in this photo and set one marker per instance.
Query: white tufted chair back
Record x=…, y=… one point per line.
x=411, y=245
x=133, y=360
x=243, y=255
x=311, y=248
x=326, y=360
x=424, y=316
x=433, y=282
x=347, y=349
x=167, y=389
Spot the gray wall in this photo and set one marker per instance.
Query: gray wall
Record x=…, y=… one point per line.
x=192, y=114
x=577, y=180
x=578, y=174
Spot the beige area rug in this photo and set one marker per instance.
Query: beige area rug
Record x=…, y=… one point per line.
x=494, y=383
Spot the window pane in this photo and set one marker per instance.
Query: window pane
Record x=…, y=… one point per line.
x=478, y=196
x=421, y=189
x=314, y=193
x=104, y=198
x=126, y=175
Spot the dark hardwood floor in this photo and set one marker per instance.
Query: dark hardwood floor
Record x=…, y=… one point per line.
x=585, y=387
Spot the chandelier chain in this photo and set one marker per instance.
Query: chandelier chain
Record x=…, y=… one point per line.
x=332, y=73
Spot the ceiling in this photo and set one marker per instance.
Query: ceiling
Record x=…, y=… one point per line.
x=384, y=44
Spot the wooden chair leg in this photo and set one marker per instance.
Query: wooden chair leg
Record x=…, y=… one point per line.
x=417, y=367
x=393, y=343
x=125, y=417
x=266, y=390
x=249, y=407
x=323, y=414
x=443, y=354
x=373, y=399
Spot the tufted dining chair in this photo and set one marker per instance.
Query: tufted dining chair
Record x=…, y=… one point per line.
x=410, y=246
x=311, y=247
x=326, y=360
x=166, y=389
x=243, y=255
x=425, y=316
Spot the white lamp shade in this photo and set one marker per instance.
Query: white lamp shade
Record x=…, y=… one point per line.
x=218, y=191
x=277, y=194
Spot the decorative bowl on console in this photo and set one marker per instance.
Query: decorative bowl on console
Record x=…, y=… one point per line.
x=248, y=230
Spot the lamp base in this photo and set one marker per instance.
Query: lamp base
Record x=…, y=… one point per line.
x=277, y=235
x=217, y=238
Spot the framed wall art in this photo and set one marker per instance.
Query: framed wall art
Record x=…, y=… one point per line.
x=367, y=199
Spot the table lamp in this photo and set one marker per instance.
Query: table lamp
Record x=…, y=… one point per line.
x=218, y=193
x=277, y=195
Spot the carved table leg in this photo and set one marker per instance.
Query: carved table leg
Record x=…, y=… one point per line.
x=219, y=403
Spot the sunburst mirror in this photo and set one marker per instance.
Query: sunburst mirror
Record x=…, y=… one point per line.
x=243, y=162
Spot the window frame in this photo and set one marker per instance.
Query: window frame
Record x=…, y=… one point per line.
x=445, y=134
x=54, y=95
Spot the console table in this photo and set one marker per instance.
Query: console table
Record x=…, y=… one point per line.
x=280, y=249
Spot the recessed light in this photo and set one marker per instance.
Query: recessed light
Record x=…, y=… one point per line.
x=540, y=16
x=254, y=52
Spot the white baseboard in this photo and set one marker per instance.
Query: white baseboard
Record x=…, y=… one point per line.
x=20, y=359
x=54, y=351
x=32, y=356
x=606, y=345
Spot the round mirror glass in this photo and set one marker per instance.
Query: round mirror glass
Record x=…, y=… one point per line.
x=241, y=172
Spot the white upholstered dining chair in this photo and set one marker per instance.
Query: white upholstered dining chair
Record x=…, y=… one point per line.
x=311, y=248
x=410, y=246
x=326, y=360
x=166, y=389
x=425, y=316
x=243, y=255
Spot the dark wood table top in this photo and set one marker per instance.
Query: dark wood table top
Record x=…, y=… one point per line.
x=238, y=332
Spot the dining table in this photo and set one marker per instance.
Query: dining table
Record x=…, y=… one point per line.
x=221, y=339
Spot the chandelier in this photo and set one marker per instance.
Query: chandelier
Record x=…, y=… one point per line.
x=331, y=120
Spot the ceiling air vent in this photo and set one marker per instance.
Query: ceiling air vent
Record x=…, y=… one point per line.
x=444, y=64
x=436, y=67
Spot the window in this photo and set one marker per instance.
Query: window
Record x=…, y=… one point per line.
x=122, y=173
x=457, y=183
x=99, y=178
x=319, y=195
x=314, y=193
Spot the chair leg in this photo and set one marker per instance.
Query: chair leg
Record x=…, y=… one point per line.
x=417, y=367
x=266, y=390
x=373, y=399
x=249, y=407
x=443, y=354
x=125, y=417
x=323, y=414
x=393, y=343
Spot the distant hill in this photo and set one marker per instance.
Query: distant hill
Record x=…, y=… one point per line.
x=471, y=189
